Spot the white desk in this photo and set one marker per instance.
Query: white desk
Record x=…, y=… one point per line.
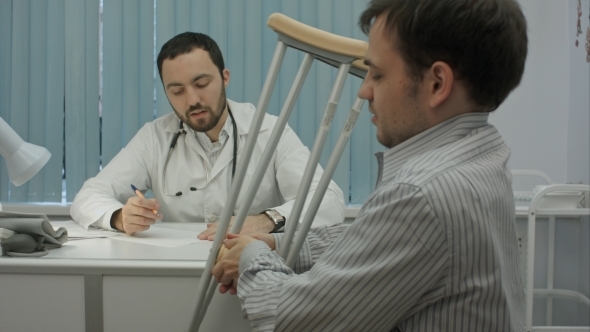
x=111, y=285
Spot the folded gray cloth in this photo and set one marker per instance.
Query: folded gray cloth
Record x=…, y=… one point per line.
x=37, y=226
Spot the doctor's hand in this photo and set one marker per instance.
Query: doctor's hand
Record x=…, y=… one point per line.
x=259, y=223
x=136, y=215
x=226, y=271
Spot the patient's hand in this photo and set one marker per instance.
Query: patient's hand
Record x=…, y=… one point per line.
x=259, y=223
x=226, y=270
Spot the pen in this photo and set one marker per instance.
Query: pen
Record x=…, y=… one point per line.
x=138, y=193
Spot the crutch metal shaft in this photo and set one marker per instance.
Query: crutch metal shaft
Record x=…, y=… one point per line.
x=324, y=182
x=273, y=141
x=237, y=184
x=266, y=156
x=332, y=49
x=314, y=158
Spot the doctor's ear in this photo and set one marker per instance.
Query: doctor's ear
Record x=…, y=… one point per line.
x=225, y=77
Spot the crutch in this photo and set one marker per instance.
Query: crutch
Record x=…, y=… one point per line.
x=332, y=49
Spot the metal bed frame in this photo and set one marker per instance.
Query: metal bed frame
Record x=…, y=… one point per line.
x=551, y=201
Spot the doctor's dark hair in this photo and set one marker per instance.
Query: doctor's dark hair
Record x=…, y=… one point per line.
x=483, y=41
x=185, y=43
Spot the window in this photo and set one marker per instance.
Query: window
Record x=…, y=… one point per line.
x=79, y=78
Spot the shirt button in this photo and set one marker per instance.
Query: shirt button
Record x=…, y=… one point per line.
x=212, y=218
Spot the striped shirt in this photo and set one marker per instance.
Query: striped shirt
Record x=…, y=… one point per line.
x=434, y=248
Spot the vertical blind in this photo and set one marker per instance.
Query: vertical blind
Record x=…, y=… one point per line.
x=79, y=77
x=32, y=89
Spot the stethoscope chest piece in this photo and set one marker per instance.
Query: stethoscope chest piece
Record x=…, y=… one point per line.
x=182, y=131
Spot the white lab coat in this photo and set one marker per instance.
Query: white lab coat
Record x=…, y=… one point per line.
x=141, y=163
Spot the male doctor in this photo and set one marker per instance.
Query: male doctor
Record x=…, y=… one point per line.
x=188, y=158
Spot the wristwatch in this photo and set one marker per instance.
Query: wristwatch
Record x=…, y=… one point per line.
x=276, y=218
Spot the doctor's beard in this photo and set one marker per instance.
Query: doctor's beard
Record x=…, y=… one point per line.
x=208, y=123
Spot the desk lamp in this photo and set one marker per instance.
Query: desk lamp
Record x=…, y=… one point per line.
x=23, y=160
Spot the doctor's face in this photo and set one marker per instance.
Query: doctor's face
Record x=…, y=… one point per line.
x=196, y=90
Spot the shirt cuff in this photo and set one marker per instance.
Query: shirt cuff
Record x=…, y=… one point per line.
x=105, y=221
x=251, y=251
x=282, y=212
x=278, y=239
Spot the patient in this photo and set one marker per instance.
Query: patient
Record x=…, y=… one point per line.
x=191, y=182
x=434, y=248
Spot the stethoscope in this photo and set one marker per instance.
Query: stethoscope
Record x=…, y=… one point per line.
x=173, y=144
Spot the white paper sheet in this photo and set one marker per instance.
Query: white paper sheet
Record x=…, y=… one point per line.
x=163, y=237
x=77, y=232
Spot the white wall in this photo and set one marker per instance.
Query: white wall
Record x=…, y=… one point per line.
x=546, y=123
x=545, y=120
x=578, y=152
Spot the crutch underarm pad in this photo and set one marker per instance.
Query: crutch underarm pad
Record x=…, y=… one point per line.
x=316, y=37
x=360, y=65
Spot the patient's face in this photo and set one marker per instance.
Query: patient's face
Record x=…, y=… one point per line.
x=196, y=90
x=395, y=99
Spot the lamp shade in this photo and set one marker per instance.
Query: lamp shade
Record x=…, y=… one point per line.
x=23, y=160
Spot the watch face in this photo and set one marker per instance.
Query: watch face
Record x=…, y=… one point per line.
x=276, y=217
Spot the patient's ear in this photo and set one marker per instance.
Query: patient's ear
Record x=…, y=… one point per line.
x=439, y=79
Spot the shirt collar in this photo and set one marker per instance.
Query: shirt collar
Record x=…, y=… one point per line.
x=225, y=133
x=443, y=133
